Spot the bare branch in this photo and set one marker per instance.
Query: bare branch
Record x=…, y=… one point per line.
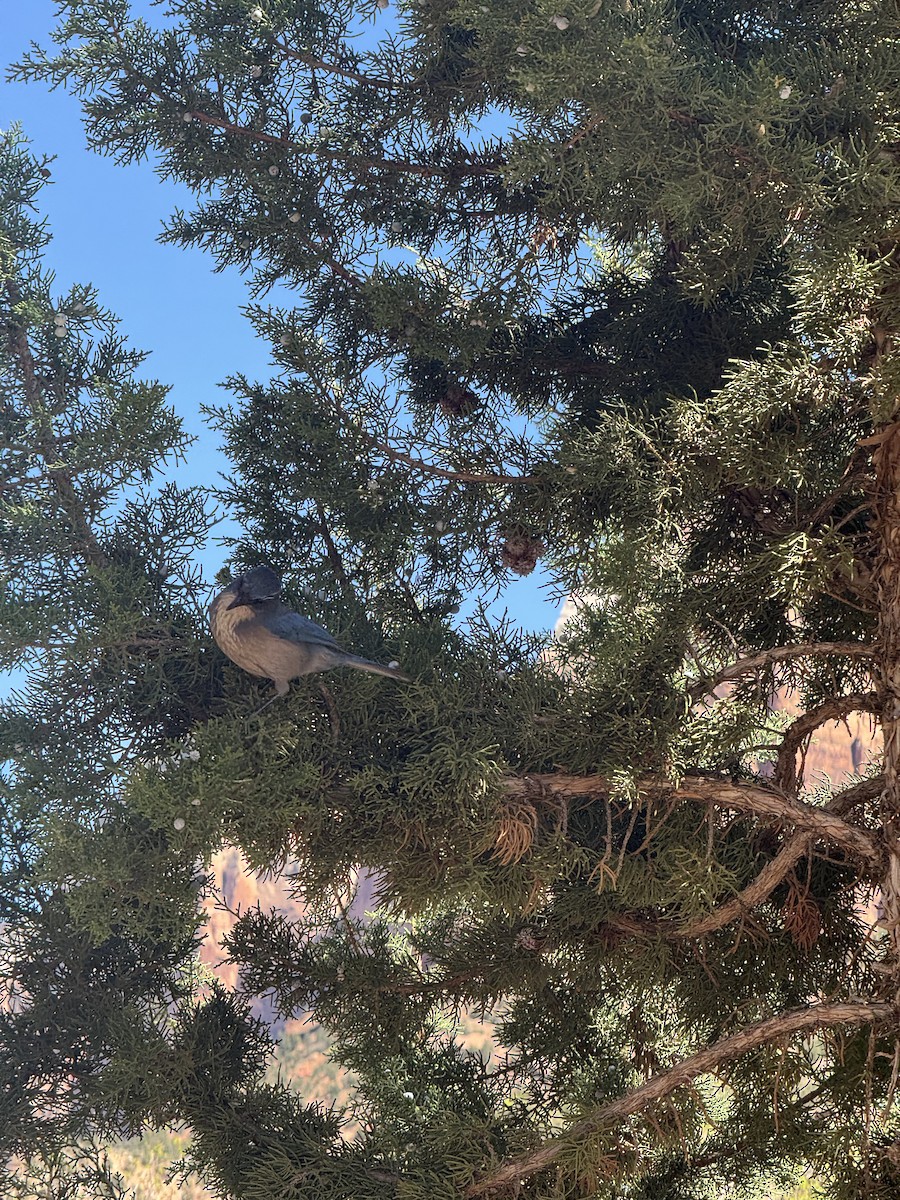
x=786, y=776
x=772, y=874
x=859, y=793
x=775, y=871
x=763, y=802
x=754, y=662
x=773, y=1029
x=744, y=797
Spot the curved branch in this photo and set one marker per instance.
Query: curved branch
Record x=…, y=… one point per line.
x=762, y=802
x=773, y=1029
x=745, y=797
x=772, y=874
x=859, y=793
x=753, y=662
x=778, y=868
x=785, y=775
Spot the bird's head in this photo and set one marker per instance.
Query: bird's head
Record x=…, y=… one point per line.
x=255, y=587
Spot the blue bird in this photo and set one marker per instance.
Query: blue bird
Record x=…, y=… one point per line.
x=266, y=638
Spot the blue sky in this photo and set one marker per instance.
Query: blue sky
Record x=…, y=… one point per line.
x=105, y=220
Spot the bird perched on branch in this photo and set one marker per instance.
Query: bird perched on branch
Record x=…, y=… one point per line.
x=266, y=638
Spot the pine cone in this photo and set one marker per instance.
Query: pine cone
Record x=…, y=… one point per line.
x=520, y=552
x=531, y=940
x=764, y=507
x=458, y=401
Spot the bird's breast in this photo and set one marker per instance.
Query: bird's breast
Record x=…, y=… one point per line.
x=241, y=634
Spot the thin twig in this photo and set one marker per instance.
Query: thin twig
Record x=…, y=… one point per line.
x=347, y=923
x=333, y=715
x=418, y=464
x=892, y=1086
x=319, y=64
x=337, y=563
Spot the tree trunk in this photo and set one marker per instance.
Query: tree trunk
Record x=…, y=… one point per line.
x=886, y=459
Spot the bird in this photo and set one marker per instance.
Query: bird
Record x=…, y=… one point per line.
x=266, y=638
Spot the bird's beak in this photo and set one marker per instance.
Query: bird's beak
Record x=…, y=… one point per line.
x=237, y=602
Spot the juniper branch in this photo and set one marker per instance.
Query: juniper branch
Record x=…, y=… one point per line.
x=784, y=1025
x=745, y=797
x=755, y=662
x=786, y=775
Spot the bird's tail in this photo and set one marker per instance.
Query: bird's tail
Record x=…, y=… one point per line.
x=365, y=664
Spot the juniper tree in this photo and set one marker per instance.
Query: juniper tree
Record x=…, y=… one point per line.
x=609, y=286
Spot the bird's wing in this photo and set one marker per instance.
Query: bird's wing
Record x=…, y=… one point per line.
x=294, y=628
x=218, y=604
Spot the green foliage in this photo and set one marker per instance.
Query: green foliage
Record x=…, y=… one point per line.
x=613, y=290
x=99, y=615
